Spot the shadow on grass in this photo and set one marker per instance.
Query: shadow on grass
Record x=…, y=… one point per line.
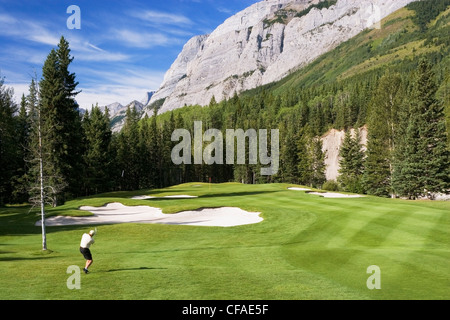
x=130, y=193
x=25, y=258
x=135, y=269
x=215, y=195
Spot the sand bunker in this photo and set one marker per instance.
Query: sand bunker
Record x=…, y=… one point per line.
x=335, y=195
x=114, y=213
x=299, y=189
x=327, y=194
x=181, y=196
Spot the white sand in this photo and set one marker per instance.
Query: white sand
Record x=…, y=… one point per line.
x=328, y=194
x=335, y=195
x=181, y=196
x=114, y=213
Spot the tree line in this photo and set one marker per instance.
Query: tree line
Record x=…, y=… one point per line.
x=77, y=154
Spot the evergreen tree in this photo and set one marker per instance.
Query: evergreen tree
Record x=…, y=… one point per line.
x=318, y=163
x=61, y=122
x=70, y=119
x=168, y=168
x=311, y=159
x=145, y=153
x=382, y=123
x=49, y=127
x=289, y=160
x=8, y=142
x=155, y=147
x=351, y=163
x=444, y=96
x=128, y=151
x=304, y=161
x=20, y=193
x=423, y=167
x=97, y=162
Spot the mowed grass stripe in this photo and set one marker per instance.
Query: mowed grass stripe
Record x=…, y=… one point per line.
x=386, y=226
x=307, y=247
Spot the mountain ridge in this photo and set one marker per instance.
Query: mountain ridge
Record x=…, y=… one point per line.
x=117, y=111
x=262, y=44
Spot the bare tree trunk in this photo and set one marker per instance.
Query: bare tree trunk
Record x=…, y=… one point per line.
x=41, y=178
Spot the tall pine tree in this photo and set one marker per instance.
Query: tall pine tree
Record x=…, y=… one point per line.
x=97, y=160
x=8, y=142
x=61, y=122
x=351, y=163
x=423, y=167
x=382, y=123
x=128, y=156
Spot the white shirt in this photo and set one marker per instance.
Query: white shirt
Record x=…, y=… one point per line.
x=86, y=241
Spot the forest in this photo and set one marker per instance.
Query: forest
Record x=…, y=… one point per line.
x=47, y=144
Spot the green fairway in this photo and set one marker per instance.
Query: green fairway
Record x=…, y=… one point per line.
x=307, y=247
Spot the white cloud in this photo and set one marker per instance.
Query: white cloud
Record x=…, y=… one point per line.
x=39, y=33
x=107, y=88
x=102, y=56
x=30, y=43
x=161, y=18
x=144, y=40
x=94, y=47
x=26, y=29
x=225, y=10
x=84, y=50
x=140, y=39
x=7, y=19
x=123, y=87
x=19, y=89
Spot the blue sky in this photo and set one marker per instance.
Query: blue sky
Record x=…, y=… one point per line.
x=122, y=50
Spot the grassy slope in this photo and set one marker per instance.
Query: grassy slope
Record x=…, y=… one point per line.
x=307, y=247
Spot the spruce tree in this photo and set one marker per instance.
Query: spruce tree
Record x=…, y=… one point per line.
x=97, y=161
x=318, y=162
x=20, y=192
x=49, y=127
x=155, y=148
x=382, y=123
x=351, y=163
x=8, y=143
x=128, y=151
x=61, y=122
x=145, y=152
x=289, y=160
x=168, y=177
x=432, y=130
x=70, y=119
x=423, y=164
x=311, y=159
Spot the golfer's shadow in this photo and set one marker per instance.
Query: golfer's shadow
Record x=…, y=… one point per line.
x=133, y=269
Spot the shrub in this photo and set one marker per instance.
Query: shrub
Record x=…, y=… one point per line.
x=331, y=186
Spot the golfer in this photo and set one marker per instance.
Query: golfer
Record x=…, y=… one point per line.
x=86, y=241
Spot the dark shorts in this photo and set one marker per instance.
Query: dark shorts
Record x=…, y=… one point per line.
x=86, y=253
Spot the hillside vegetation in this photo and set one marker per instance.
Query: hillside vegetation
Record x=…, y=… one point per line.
x=398, y=45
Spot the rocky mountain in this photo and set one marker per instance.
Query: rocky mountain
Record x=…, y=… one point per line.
x=113, y=108
x=117, y=112
x=147, y=97
x=262, y=44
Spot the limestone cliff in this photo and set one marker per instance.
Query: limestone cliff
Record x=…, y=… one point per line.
x=262, y=44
